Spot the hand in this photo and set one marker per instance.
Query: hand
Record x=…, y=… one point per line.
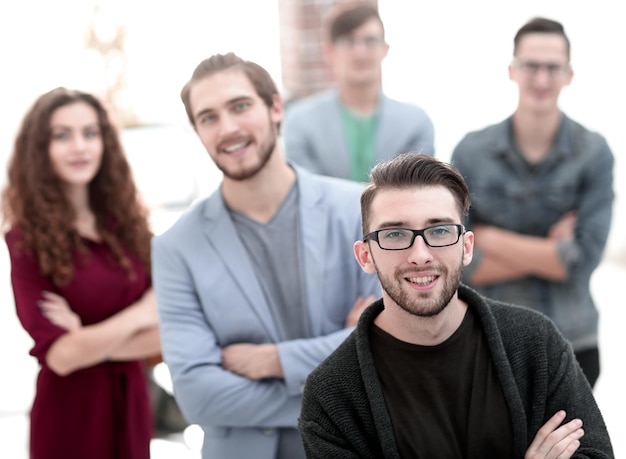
x=58, y=311
x=564, y=228
x=556, y=442
x=359, y=306
x=252, y=361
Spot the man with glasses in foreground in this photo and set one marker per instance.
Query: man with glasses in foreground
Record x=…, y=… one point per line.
x=344, y=131
x=435, y=369
x=542, y=192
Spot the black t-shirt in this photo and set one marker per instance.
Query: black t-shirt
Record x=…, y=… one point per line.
x=445, y=401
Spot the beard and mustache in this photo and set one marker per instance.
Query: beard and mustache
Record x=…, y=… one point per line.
x=418, y=303
x=264, y=152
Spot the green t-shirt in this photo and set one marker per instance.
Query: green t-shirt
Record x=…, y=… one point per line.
x=361, y=135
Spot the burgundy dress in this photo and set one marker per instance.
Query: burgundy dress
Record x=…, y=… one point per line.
x=100, y=412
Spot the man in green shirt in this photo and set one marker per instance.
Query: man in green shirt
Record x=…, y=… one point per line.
x=344, y=131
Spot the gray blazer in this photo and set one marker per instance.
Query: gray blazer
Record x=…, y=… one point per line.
x=314, y=137
x=209, y=297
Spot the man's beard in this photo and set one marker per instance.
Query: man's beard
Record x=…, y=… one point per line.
x=265, y=151
x=422, y=304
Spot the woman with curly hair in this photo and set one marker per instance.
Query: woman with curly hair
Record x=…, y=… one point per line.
x=79, y=244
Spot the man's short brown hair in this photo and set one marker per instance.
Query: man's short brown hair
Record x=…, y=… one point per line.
x=541, y=25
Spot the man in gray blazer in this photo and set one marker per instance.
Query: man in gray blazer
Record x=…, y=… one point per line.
x=344, y=131
x=255, y=285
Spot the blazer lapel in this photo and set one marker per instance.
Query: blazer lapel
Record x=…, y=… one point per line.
x=221, y=235
x=313, y=225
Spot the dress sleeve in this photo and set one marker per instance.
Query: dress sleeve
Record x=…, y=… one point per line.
x=28, y=284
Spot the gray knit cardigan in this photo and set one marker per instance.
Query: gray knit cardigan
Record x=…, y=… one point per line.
x=344, y=414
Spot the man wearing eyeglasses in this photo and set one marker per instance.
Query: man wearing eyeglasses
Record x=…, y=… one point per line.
x=542, y=192
x=434, y=369
x=344, y=131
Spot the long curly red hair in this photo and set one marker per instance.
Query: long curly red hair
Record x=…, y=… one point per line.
x=34, y=201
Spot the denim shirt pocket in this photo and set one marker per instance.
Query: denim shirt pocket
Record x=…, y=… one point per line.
x=559, y=199
x=497, y=204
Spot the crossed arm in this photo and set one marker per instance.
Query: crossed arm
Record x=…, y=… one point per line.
x=259, y=361
x=508, y=255
x=556, y=441
x=130, y=334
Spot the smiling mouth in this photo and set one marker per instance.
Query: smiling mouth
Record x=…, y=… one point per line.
x=422, y=280
x=236, y=147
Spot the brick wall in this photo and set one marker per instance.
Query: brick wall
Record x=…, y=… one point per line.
x=304, y=70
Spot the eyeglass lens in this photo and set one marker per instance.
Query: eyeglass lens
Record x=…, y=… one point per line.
x=434, y=236
x=369, y=42
x=534, y=68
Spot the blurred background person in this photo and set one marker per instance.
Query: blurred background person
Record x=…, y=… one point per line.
x=542, y=194
x=345, y=130
x=79, y=246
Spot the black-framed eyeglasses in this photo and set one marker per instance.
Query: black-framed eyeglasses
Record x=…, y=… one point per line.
x=533, y=68
x=403, y=238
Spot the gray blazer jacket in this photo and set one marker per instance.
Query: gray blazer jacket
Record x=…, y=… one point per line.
x=209, y=297
x=314, y=137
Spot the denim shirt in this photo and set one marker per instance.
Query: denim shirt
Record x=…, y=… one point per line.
x=507, y=192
